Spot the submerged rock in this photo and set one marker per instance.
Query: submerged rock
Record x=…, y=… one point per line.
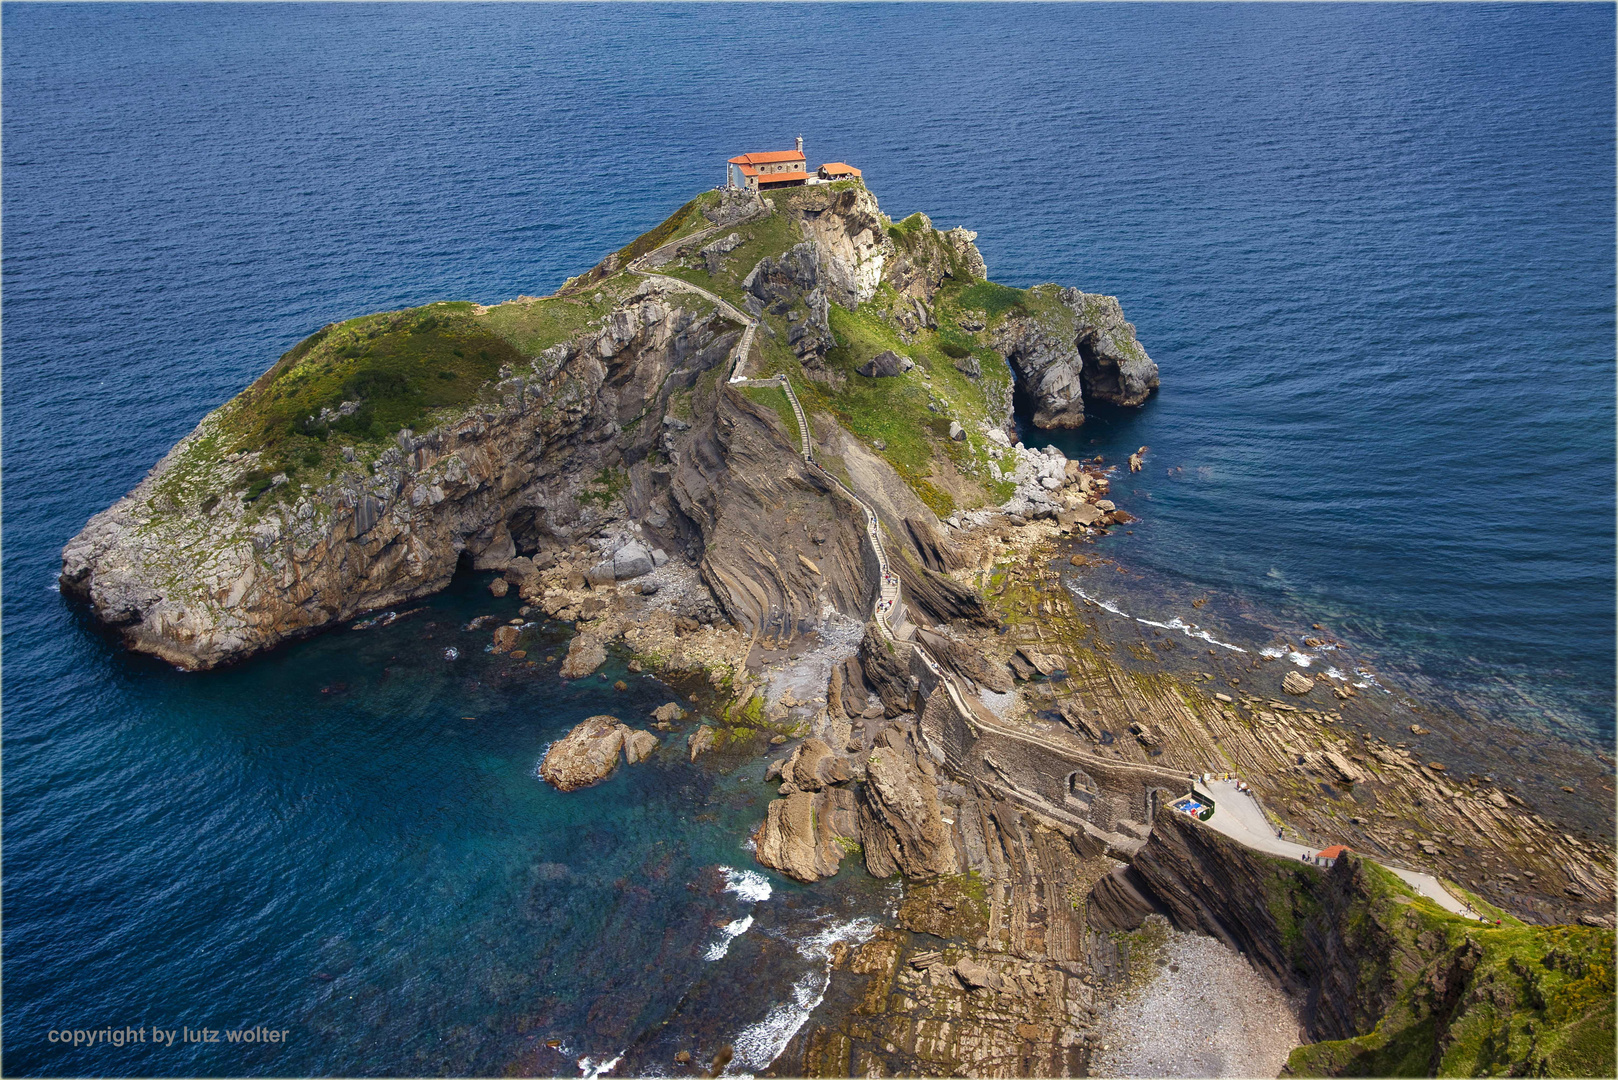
x=584, y=655
x=700, y=741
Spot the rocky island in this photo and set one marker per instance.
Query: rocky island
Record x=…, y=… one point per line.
x=768, y=449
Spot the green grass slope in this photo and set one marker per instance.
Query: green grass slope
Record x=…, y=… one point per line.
x=416, y=367
x=906, y=419
x=1473, y=1000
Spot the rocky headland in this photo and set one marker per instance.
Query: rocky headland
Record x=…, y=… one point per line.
x=767, y=449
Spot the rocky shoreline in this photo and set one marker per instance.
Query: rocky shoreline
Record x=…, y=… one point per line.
x=994, y=740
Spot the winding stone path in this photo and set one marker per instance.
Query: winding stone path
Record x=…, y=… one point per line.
x=1236, y=814
x=1239, y=816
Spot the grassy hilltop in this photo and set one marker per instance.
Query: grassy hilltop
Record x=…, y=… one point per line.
x=905, y=420
x=358, y=382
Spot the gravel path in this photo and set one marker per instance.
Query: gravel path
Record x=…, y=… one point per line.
x=1206, y=1013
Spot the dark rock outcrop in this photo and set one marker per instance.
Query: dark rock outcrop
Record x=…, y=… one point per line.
x=936, y=552
x=940, y=599
x=886, y=365
x=967, y=661
x=757, y=507
x=1080, y=347
x=790, y=285
x=885, y=664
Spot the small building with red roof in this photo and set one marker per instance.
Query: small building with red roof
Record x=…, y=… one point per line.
x=769, y=168
x=764, y=170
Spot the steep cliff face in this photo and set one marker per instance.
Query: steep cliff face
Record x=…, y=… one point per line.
x=197, y=569
x=848, y=228
x=1394, y=985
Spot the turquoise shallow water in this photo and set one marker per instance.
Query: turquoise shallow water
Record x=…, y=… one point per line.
x=1370, y=246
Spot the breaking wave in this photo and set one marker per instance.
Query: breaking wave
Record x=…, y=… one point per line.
x=728, y=933
x=1188, y=629
x=759, y=1044
x=590, y=1069
x=748, y=885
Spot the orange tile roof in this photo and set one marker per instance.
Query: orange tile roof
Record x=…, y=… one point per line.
x=1334, y=851
x=840, y=168
x=780, y=177
x=767, y=158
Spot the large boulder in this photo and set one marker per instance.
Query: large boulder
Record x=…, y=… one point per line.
x=806, y=833
x=885, y=365
x=586, y=755
x=1296, y=682
x=700, y=741
x=713, y=256
x=589, y=753
x=631, y=561
x=638, y=746
x=813, y=766
x=1082, y=514
x=668, y=712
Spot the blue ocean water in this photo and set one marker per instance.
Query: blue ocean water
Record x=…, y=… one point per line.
x=1371, y=247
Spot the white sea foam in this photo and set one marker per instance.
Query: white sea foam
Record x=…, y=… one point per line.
x=817, y=946
x=452, y=653
x=1175, y=623
x=759, y=1044
x=728, y=933
x=543, y=751
x=748, y=885
x=1098, y=602
x=588, y=1068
